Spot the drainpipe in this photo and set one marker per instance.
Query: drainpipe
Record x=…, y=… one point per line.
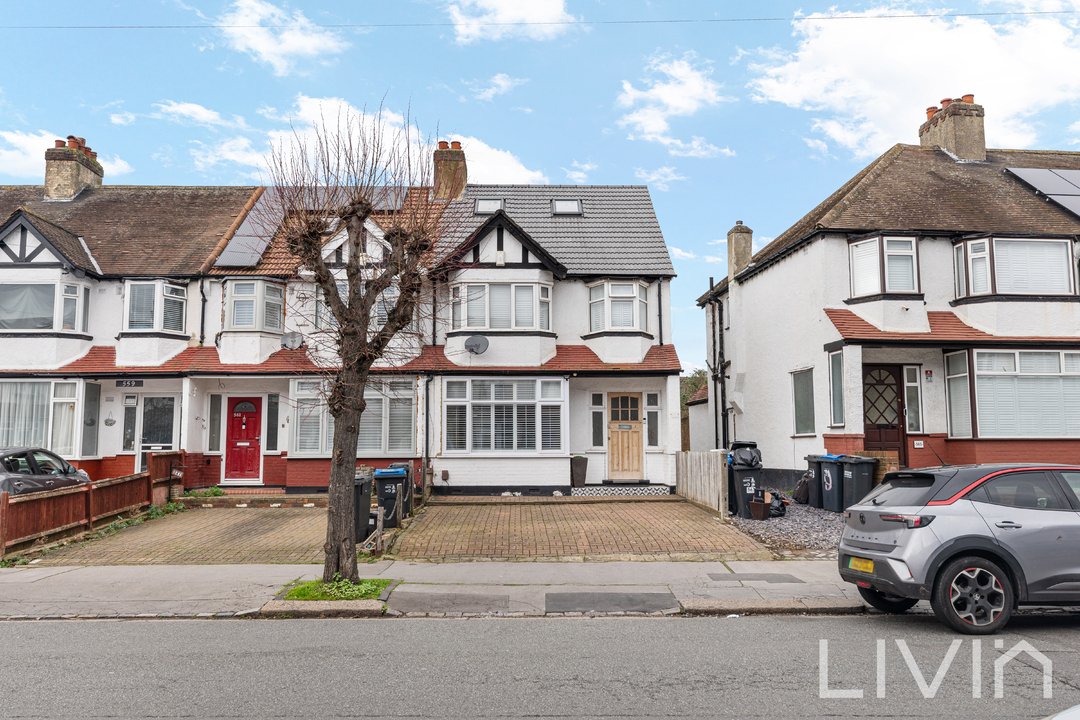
x=427, y=421
x=718, y=311
x=202, y=315
x=660, y=309
x=434, y=309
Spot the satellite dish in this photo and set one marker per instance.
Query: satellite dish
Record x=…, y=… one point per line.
x=476, y=344
x=292, y=341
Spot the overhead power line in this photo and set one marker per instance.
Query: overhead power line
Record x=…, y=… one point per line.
x=691, y=21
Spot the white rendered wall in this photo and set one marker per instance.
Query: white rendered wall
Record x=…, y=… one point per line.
x=701, y=427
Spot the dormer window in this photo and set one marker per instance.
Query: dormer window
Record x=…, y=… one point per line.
x=156, y=306
x=619, y=306
x=255, y=305
x=488, y=206
x=565, y=207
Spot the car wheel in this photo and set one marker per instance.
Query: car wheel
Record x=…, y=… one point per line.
x=884, y=602
x=974, y=596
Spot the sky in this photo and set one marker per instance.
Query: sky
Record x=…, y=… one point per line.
x=752, y=112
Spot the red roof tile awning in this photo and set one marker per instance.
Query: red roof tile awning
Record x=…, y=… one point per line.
x=945, y=329
x=659, y=360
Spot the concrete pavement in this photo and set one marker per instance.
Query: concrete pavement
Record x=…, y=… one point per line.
x=438, y=589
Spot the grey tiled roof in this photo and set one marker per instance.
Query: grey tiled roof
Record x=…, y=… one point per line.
x=617, y=233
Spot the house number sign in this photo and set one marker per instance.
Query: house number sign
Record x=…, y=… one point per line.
x=129, y=383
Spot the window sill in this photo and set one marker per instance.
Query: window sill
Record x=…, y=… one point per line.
x=139, y=334
x=973, y=299
x=617, y=333
x=837, y=427
x=48, y=334
x=254, y=330
x=502, y=333
x=805, y=435
x=884, y=296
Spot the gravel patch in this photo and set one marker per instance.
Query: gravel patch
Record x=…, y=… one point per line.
x=802, y=528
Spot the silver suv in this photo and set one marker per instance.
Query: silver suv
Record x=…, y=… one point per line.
x=976, y=541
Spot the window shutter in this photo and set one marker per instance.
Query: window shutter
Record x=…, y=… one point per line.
x=456, y=390
x=173, y=315
x=504, y=427
x=545, y=315
x=596, y=316
x=980, y=278
x=1031, y=267
x=476, y=310
x=274, y=308
x=243, y=313
x=901, y=272
x=369, y=434
x=961, y=275
x=550, y=427
x=622, y=313
x=865, y=270
x=401, y=424
x=141, y=308
x=1070, y=397
x=456, y=427
x=328, y=441
x=995, y=362
x=307, y=427
x=523, y=306
x=959, y=406
x=481, y=427
x=500, y=306
x=1040, y=362
x=526, y=427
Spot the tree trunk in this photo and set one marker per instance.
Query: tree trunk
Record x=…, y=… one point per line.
x=340, y=547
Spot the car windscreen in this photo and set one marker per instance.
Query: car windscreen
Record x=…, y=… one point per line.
x=902, y=490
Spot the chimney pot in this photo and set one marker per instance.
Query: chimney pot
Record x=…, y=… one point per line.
x=59, y=143
x=931, y=111
x=443, y=145
x=68, y=173
x=86, y=149
x=946, y=102
x=455, y=145
x=93, y=155
x=969, y=98
x=82, y=142
x=72, y=142
x=738, y=222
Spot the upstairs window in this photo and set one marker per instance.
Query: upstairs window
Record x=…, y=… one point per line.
x=501, y=306
x=566, y=207
x=487, y=207
x=619, y=306
x=884, y=264
x=255, y=305
x=1013, y=266
x=44, y=307
x=156, y=306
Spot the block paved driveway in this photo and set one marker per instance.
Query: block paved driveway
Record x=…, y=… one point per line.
x=208, y=537
x=628, y=530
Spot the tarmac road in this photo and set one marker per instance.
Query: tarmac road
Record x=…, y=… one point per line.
x=760, y=667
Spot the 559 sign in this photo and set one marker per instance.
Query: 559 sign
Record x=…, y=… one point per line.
x=129, y=383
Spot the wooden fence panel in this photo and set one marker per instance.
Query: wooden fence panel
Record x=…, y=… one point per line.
x=701, y=477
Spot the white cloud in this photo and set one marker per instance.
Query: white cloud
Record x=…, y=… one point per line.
x=819, y=147
x=238, y=150
x=581, y=171
x=495, y=19
x=279, y=47
x=686, y=89
x=526, y=110
x=197, y=114
x=659, y=177
x=490, y=165
x=498, y=85
x=1075, y=127
x=718, y=241
x=715, y=259
x=681, y=254
x=760, y=243
x=867, y=82
x=122, y=118
x=25, y=156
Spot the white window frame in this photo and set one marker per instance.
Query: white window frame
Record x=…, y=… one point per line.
x=639, y=298
x=600, y=409
x=159, y=306
x=646, y=410
x=459, y=302
x=81, y=296
x=967, y=390
x=1018, y=372
x=966, y=289
x=259, y=298
x=834, y=389
x=794, y=405
x=539, y=402
x=308, y=389
x=881, y=265
x=913, y=253
x=918, y=400
x=78, y=399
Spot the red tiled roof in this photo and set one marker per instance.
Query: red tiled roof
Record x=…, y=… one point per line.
x=101, y=360
x=945, y=327
x=568, y=358
x=702, y=395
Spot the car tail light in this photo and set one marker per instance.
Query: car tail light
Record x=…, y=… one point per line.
x=847, y=514
x=912, y=521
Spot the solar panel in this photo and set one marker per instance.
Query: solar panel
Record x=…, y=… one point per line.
x=1072, y=176
x=1069, y=202
x=1048, y=182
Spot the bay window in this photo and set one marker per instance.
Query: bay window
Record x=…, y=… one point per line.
x=1027, y=393
x=884, y=265
x=255, y=305
x=43, y=414
x=619, y=306
x=156, y=306
x=504, y=416
x=387, y=425
x=500, y=306
x=1013, y=266
x=64, y=307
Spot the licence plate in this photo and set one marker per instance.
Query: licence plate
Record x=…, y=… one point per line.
x=861, y=564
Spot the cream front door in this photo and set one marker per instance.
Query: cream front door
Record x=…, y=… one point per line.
x=625, y=446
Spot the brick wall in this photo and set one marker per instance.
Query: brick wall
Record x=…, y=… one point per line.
x=886, y=462
x=844, y=444
x=275, y=469
x=957, y=452
x=315, y=472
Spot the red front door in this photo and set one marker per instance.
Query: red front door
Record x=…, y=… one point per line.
x=242, y=436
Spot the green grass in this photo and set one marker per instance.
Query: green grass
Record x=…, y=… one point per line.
x=208, y=492
x=340, y=589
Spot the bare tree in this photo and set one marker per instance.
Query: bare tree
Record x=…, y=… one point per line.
x=331, y=180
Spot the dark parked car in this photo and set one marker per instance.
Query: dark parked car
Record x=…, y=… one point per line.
x=977, y=541
x=30, y=470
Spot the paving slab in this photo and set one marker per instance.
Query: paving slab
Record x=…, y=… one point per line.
x=609, y=602
x=443, y=602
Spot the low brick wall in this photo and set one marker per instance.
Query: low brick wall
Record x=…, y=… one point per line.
x=255, y=501
x=887, y=462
